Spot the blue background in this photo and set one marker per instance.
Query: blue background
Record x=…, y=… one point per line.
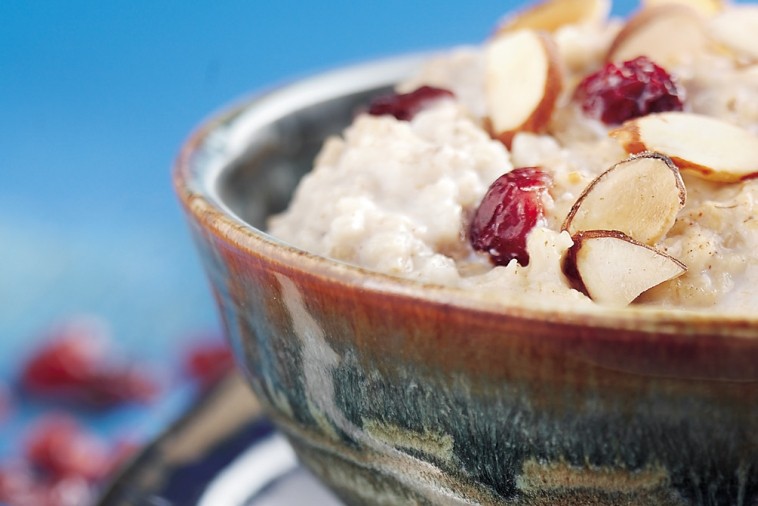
x=95, y=101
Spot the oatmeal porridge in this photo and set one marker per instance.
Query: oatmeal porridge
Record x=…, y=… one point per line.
x=570, y=160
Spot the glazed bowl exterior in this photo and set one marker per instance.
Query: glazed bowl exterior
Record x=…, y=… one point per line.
x=394, y=392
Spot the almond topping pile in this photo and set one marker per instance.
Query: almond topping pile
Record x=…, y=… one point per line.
x=617, y=221
x=614, y=224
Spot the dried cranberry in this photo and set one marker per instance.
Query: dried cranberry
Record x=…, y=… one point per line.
x=208, y=361
x=75, y=365
x=510, y=209
x=634, y=88
x=404, y=106
x=59, y=446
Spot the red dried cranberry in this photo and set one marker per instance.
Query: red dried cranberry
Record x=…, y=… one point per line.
x=208, y=361
x=404, y=106
x=510, y=209
x=58, y=445
x=74, y=365
x=635, y=88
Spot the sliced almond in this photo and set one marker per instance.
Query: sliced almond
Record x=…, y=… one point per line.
x=711, y=148
x=705, y=7
x=522, y=83
x=614, y=269
x=667, y=34
x=737, y=29
x=551, y=15
x=640, y=197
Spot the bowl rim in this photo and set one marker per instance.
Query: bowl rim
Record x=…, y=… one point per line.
x=223, y=138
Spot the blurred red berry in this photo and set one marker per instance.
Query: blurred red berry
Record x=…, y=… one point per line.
x=72, y=353
x=75, y=364
x=208, y=360
x=61, y=447
x=404, y=106
x=634, y=88
x=511, y=208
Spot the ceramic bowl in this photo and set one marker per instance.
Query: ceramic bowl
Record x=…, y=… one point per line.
x=394, y=392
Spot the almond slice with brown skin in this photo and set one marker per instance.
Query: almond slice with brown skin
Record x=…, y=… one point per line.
x=667, y=34
x=640, y=196
x=551, y=15
x=711, y=148
x=737, y=29
x=614, y=269
x=705, y=7
x=522, y=82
